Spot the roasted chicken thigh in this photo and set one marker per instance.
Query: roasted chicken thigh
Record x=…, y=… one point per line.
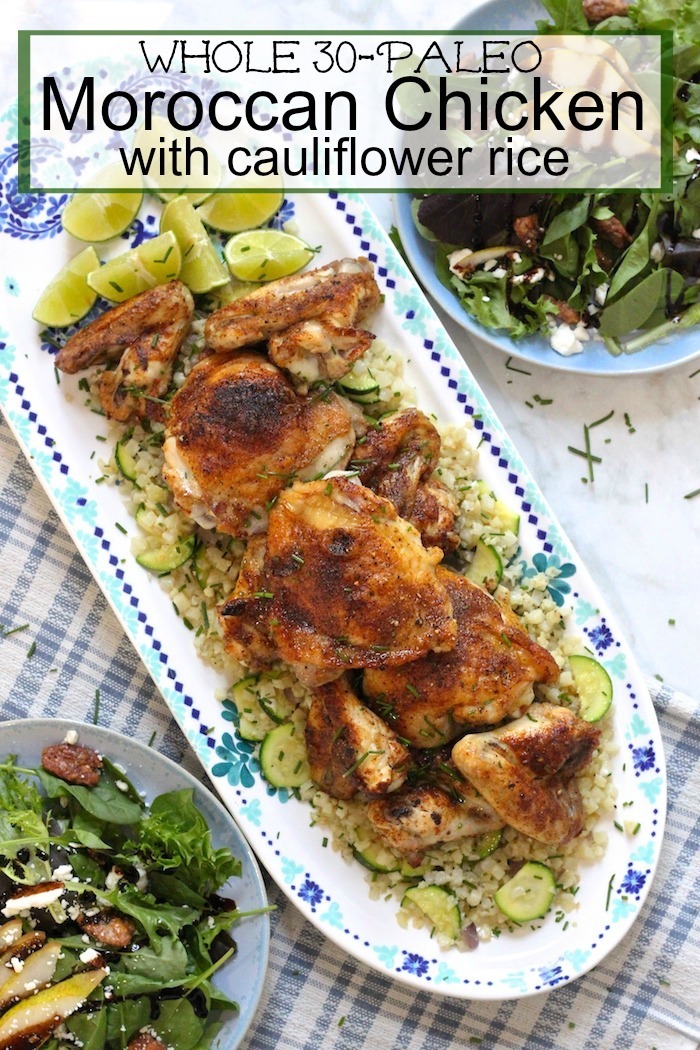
x=238, y=433
x=487, y=676
x=348, y=583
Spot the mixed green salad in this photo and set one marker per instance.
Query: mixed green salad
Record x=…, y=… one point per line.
x=111, y=924
x=625, y=265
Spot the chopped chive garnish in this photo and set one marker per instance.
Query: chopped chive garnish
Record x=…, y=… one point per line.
x=31, y=650
x=153, y=736
x=120, y=527
x=205, y=615
x=116, y=287
x=603, y=419
x=163, y=260
x=512, y=368
x=154, y=340
x=580, y=452
x=96, y=708
x=646, y=491
x=610, y=886
x=692, y=495
x=15, y=630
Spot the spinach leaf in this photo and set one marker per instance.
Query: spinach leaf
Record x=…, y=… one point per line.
x=104, y=801
x=125, y=1019
x=89, y=1030
x=149, y=913
x=175, y=891
x=640, y=303
x=636, y=258
x=178, y=1025
x=568, y=220
x=168, y=964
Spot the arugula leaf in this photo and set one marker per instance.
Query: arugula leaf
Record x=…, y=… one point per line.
x=150, y=914
x=174, y=837
x=178, y=1025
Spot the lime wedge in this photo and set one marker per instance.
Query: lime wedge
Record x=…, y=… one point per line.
x=153, y=262
x=266, y=255
x=245, y=209
x=205, y=171
x=99, y=216
x=68, y=298
x=201, y=269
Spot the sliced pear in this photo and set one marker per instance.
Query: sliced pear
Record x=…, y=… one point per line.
x=22, y=948
x=32, y=1022
x=37, y=971
x=10, y=932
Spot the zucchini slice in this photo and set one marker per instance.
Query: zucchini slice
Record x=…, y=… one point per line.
x=165, y=559
x=125, y=461
x=486, y=567
x=593, y=685
x=258, y=714
x=376, y=858
x=509, y=518
x=485, y=844
x=364, y=389
x=528, y=895
x=283, y=758
x=439, y=905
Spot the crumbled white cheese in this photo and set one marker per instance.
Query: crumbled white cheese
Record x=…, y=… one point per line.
x=516, y=257
x=71, y=737
x=122, y=785
x=657, y=252
x=113, y=878
x=142, y=881
x=696, y=234
x=601, y=294
x=563, y=340
x=62, y=872
x=41, y=899
x=529, y=277
x=499, y=272
x=31, y=986
x=85, y=938
x=89, y=955
x=691, y=155
x=17, y=964
x=486, y=298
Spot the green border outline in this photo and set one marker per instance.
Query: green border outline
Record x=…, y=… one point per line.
x=24, y=105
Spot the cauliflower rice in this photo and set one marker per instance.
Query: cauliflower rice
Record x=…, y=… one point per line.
x=199, y=586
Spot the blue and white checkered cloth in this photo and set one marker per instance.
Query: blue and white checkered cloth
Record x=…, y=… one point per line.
x=643, y=995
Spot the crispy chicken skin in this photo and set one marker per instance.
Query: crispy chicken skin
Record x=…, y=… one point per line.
x=318, y=350
x=396, y=460
x=244, y=616
x=351, y=583
x=238, y=432
x=146, y=333
x=351, y=750
x=525, y=770
x=486, y=677
x=341, y=293
x=416, y=818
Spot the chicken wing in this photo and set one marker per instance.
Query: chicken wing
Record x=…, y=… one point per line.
x=238, y=433
x=396, y=460
x=416, y=818
x=318, y=350
x=486, y=677
x=351, y=750
x=146, y=333
x=350, y=583
x=309, y=319
x=525, y=771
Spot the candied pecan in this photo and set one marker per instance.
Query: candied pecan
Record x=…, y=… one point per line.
x=598, y=10
x=603, y=259
x=108, y=927
x=72, y=763
x=528, y=231
x=565, y=313
x=145, y=1041
x=612, y=231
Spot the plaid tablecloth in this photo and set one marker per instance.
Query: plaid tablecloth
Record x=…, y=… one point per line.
x=60, y=644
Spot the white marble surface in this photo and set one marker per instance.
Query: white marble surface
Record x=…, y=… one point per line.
x=633, y=528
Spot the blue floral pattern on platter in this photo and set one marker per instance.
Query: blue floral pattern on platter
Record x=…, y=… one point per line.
x=315, y=877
